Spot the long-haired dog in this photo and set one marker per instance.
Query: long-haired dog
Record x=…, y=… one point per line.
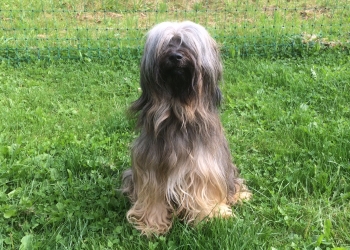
x=181, y=163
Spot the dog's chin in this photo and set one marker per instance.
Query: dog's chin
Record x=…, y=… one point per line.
x=179, y=81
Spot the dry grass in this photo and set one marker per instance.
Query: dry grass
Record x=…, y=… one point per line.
x=101, y=24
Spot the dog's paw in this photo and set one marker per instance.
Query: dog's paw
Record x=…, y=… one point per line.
x=242, y=194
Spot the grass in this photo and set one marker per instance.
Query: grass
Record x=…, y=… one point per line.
x=65, y=141
x=33, y=29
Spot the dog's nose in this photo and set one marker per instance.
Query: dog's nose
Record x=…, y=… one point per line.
x=175, y=57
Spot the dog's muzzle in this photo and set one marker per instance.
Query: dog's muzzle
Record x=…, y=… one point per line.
x=177, y=72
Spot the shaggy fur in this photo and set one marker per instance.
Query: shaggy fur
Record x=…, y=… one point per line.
x=181, y=163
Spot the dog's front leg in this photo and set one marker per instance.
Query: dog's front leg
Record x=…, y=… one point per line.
x=150, y=212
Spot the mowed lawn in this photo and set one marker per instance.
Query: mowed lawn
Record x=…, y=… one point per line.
x=65, y=137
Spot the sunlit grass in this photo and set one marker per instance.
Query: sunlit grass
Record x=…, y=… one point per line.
x=65, y=141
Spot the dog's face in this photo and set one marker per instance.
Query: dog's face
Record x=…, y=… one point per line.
x=177, y=69
x=181, y=62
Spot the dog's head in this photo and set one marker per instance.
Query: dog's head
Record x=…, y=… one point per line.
x=177, y=69
x=181, y=61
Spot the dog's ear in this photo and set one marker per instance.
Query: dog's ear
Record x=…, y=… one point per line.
x=217, y=97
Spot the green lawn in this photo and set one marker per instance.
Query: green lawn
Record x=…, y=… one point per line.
x=64, y=141
x=65, y=135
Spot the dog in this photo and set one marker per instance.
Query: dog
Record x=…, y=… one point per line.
x=181, y=163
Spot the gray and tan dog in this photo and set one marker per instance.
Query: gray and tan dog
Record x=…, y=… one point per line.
x=181, y=163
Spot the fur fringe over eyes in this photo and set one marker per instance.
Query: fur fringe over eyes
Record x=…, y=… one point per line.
x=181, y=163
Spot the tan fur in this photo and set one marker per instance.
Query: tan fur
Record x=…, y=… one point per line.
x=181, y=164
